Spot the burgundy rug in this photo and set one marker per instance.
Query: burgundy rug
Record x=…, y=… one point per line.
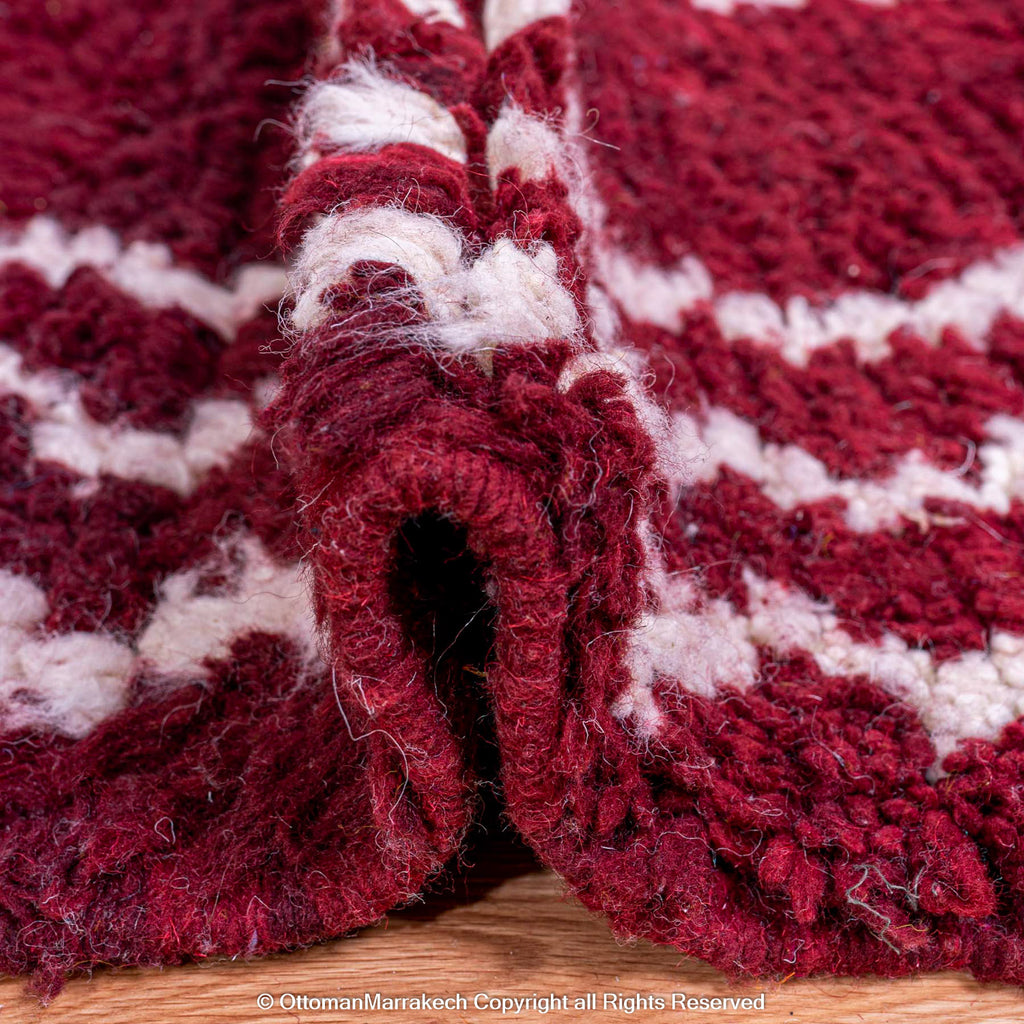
x=643, y=429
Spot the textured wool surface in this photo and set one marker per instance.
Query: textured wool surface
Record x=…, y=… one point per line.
x=619, y=404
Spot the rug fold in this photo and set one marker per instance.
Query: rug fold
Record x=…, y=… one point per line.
x=621, y=408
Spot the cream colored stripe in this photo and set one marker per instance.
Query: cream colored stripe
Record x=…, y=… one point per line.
x=705, y=646
x=69, y=683
x=969, y=303
x=146, y=271
x=790, y=476
x=63, y=432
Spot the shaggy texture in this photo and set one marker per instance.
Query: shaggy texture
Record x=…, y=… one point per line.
x=643, y=431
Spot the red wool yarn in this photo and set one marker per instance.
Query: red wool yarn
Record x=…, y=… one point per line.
x=620, y=404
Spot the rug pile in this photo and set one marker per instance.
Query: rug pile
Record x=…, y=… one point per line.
x=620, y=401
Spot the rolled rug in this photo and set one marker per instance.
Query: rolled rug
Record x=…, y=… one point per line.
x=643, y=434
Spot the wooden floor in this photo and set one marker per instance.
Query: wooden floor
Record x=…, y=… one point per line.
x=505, y=930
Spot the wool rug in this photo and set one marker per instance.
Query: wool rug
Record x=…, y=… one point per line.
x=619, y=405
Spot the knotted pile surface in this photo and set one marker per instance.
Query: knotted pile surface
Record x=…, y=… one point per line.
x=622, y=401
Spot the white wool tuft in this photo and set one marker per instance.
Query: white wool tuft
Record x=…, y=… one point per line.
x=524, y=142
x=652, y=294
x=68, y=683
x=22, y=603
x=75, y=680
x=438, y=10
x=65, y=683
x=503, y=18
x=705, y=649
x=219, y=427
x=363, y=109
x=423, y=245
x=189, y=626
x=506, y=294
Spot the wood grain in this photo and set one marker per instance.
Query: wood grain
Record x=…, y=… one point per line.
x=502, y=928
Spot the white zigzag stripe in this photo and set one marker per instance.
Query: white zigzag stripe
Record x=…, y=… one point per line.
x=706, y=647
x=969, y=303
x=189, y=625
x=70, y=682
x=144, y=270
x=63, y=432
x=791, y=476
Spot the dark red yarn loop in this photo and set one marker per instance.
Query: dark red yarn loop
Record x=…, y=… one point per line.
x=352, y=180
